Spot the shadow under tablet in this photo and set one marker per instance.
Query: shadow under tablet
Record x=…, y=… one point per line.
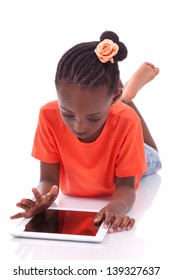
x=63, y=222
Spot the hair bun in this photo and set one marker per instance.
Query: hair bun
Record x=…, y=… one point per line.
x=109, y=35
x=122, y=53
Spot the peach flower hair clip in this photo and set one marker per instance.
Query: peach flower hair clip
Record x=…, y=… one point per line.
x=106, y=50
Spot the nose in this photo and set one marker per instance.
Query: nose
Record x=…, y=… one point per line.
x=80, y=126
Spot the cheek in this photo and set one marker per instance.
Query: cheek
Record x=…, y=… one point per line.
x=94, y=126
x=67, y=122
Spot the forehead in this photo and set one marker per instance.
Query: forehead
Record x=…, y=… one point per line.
x=86, y=101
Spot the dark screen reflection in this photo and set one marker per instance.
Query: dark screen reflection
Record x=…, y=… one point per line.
x=63, y=222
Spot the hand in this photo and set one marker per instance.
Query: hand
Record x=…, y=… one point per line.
x=116, y=221
x=33, y=207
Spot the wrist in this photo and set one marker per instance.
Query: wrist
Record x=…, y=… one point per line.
x=117, y=207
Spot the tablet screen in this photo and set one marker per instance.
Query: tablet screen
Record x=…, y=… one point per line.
x=63, y=222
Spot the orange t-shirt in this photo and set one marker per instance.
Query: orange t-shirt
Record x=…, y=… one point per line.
x=89, y=169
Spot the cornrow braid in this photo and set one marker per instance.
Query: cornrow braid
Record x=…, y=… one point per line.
x=80, y=65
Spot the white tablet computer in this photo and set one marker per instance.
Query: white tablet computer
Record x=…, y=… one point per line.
x=61, y=224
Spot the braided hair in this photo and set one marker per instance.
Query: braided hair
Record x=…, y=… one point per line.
x=80, y=65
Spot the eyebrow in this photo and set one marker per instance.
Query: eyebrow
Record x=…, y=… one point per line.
x=94, y=114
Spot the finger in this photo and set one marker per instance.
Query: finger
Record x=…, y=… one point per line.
x=18, y=215
x=28, y=202
x=37, y=195
x=54, y=190
x=130, y=224
x=99, y=217
x=109, y=217
x=124, y=223
x=115, y=226
x=52, y=194
x=23, y=206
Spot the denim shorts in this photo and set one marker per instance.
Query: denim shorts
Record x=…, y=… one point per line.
x=153, y=160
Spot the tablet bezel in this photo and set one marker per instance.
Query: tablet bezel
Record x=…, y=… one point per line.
x=18, y=231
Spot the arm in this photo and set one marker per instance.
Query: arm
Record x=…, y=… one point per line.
x=121, y=202
x=49, y=176
x=124, y=195
x=45, y=193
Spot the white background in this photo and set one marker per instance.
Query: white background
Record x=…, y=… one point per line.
x=34, y=35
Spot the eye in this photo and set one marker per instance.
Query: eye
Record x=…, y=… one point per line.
x=94, y=119
x=67, y=115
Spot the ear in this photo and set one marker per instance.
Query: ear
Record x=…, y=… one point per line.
x=117, y=95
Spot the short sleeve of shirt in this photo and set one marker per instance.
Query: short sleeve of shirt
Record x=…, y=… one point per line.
x=45, y=148
x=131, y=156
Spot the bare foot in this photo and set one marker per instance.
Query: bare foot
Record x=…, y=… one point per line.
x=145, y=73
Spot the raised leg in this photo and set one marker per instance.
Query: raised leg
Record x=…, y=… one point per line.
x=145, y=73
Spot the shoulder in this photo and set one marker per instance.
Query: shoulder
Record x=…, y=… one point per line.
x=50, y=108
x=52, y=105
x=123, y=112
x=50, y=112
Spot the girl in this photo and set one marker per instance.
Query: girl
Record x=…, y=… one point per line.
x=89, y=143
